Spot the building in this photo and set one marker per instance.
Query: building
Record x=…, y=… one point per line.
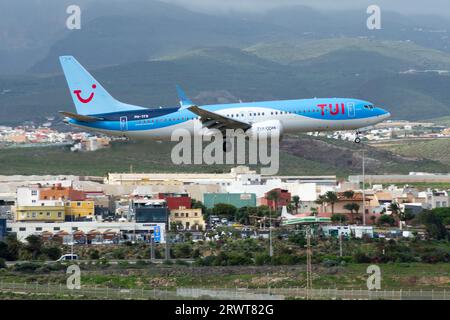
x=150, y=211
x=177, y=178
x=176, y=200
x=88, y=230
x=238, y=200
x=284, y=199
x=58, y=192
x=437, y=199
x=41, y=213
x=79, y=210
x=187, y=219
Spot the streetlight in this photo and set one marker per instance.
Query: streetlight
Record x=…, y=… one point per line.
x=364, y=186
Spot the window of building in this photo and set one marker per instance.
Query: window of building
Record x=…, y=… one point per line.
x=38, y=228
x=22, y=229
x=34, y=192
x=78, y=204
x=56, y=228
x=74, y=228
x=48, y=214
x=33, y=214
x=59, y=214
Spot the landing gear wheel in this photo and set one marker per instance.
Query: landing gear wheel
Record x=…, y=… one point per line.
x=357, y=140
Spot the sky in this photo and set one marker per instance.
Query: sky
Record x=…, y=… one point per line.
x=439, y=7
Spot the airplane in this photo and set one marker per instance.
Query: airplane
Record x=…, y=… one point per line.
x=98, y=111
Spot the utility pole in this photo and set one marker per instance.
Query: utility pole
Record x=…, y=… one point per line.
x=364, y=186
x=340, y=245
x=152, y=250
x=308, y=263
x=270, y=234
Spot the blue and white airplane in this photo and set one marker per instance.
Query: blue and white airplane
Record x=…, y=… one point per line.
x=97, y=110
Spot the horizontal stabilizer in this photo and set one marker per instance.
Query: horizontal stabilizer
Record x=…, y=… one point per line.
x=80, y=117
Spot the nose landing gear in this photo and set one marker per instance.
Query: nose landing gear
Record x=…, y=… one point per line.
x=358, y=139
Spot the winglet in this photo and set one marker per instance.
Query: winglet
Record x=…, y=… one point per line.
x=185, y=102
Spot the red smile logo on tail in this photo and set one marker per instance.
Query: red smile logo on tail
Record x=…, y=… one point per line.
x=81, y=99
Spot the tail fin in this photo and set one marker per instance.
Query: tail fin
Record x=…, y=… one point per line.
x=185, y=102
x=87, y=93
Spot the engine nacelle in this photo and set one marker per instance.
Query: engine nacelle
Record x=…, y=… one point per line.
x=265, y=129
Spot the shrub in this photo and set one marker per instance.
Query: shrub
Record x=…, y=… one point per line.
x=361, y=257
x=53, y=252
x=118, y=254
x=2, y=263
x=182, y=262
x=94, y=254
x=262, y=259
x=26, y=267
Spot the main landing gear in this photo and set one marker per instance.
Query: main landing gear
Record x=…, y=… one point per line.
x=358, y=139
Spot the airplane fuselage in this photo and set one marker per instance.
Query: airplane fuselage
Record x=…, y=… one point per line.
x=304, y=115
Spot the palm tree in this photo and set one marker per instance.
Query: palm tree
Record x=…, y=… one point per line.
x=352, y=207
x=296, y=201
x=321, y=200
x=396, y=211
x=274, y=196
x=349, y=194
x=331, y=198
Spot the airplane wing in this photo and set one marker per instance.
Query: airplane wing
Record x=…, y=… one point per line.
x=80, y=117
x=212, y=120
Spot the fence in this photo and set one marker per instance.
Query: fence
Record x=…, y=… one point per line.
x=61, y=291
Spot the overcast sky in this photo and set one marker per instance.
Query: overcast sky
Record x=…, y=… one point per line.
x=440, y=7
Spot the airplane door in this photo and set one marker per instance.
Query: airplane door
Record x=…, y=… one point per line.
x=123, y=123
x=351, y=109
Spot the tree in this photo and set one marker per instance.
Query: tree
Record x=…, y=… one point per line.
x=353, y=207
x=14, y=247
x=349, y=194
x=433, y=224
x=53, y=252
x=321, y=200
x=296, y=202
x=396, y=211
x=243, y=215
x=386, y=219
x=337, y=217
x=224, y=210
x=331, y=198
x=274, y=196
x=34, y=245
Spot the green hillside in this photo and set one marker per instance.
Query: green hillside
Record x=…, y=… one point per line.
x=406, y=51
x=436, y=150
x=300, y=155
x=222, y=74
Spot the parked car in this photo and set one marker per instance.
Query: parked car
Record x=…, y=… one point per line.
x=67, y=257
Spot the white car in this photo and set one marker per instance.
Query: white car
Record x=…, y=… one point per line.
x=67, y=257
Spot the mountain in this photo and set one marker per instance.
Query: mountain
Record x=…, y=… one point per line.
x=223, y=74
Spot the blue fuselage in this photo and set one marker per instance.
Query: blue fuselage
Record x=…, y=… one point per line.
x=303, y=115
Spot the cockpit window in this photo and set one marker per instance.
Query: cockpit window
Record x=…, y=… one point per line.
x=370, y=107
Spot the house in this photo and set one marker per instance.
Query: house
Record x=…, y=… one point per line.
x=283, y=195
x=187, y=219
